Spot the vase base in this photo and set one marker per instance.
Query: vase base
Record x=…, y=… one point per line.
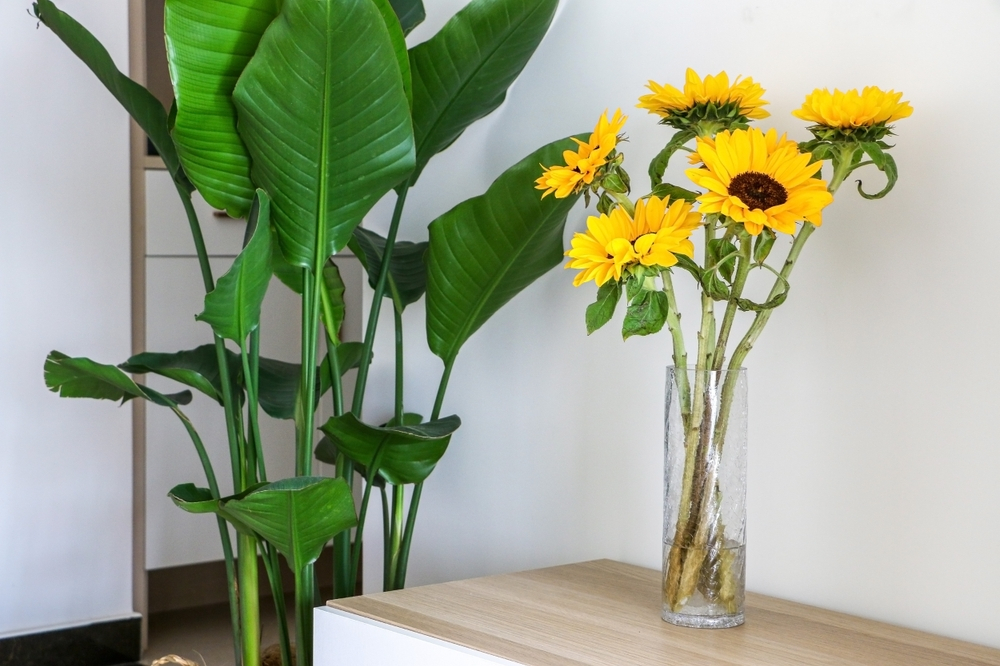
x=702, y=621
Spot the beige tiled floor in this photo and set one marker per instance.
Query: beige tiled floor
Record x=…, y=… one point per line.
x=204, y=634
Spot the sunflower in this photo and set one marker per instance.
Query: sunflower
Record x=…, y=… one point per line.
x=582, y=165
x=771, y=137
x=851, y=109
x=710, y=99
x=759, y=180
x=658, y=231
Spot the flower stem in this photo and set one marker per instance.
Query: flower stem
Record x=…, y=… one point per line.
x=735, y=292
x=249, y=601
x=680, y=352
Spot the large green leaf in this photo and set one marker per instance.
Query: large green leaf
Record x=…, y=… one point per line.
x=209, y=42
x=193, y=499
x=486, y=250
x=279, y=381
x=326, y=120
x=463, y=72
x=398, y=38
x=83, y=378
x=407, y=270
x=410, y=12
x=298, y=516
x=401, y=454
x=147, y=111
x=197, y=368
x=232, y=309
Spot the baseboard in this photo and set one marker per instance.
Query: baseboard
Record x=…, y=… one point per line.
x=204, y=584
x=111, y=643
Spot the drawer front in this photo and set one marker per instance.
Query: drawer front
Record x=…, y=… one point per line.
x=167, y=231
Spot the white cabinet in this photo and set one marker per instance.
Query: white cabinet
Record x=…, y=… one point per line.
x=174, y=295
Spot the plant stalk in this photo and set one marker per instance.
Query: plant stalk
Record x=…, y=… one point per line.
x=249, y=598
x=270, y=557
x=376, y=308
x=305, y=586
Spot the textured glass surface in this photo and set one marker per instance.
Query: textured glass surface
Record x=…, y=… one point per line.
x=704, y=502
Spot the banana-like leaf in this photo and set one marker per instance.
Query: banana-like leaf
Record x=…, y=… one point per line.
x=197, y=368
x=333, y=306
x=209, y=42
x=410, y=12
x=193, y=499
x=486, y=250
x=298, y=515
x=463, y=72
x=401, y=454
x=279, y=381
x=232, y=309
x=83, y=378
x=398, y=38
x=407, y=270
x=326, y=120
x=147, y=111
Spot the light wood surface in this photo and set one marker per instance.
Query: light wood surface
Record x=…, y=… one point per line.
x=608, y=613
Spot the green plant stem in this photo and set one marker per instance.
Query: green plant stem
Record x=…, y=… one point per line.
x=386, y=540
x=306, y=405
x=336, y=382
x=270, y=557
x=398, y=326
x=396, y=532
x=735, y=292
x=362, y=515
x=624, y=202
x=305, y=585
x=418, y=489
x=249, y=599
x=254, y=464
x=376, y=308
x=680, y=352
x=342, y=540
x=258, y=442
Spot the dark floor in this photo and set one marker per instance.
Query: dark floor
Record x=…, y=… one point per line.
x=203, y=635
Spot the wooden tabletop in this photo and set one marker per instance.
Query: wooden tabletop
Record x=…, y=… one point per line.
x=606, y=613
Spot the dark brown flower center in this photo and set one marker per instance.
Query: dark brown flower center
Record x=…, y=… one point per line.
x=758, y=190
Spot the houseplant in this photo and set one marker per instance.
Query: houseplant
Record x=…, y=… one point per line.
x=756, y=185
x=299, y=116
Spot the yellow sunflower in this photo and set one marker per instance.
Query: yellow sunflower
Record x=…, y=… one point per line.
x=668, y=102
x=583, y=164
x=851, y=109
x=774, y=142
x=658, y=231
x=760, y=181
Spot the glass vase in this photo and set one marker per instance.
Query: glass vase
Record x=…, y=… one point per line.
x=704, y=498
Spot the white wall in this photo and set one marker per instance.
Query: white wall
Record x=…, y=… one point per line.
x=65, y=466
x=874, y=441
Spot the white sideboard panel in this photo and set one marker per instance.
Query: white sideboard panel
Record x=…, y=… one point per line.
x=167, y=231
x=344, y=639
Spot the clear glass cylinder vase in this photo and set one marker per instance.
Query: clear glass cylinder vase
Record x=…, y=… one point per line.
x=704, y=498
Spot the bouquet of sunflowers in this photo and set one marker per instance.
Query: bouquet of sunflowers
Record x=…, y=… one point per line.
x=751, y=186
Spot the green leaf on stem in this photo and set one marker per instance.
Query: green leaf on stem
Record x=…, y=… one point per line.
x=722, y=254
x=407, y=270
x=462, y=73
x=664, y=190
x=333, y=306
x=84, y=378
x=401, y=454
x=489, y=248
x=886, y=164
x=602, y=310
x=410, y=12
x=329, y=130
x=145, y=109
x=232, y=309
x=193, y=499
x=688, y=264
x=763, y=244
x=197, y=368
x=209, y=42
x=659, y=164
x=645, y=315
x=297, y=516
